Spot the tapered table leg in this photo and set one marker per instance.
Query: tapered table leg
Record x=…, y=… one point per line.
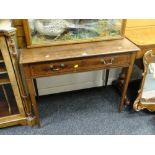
x=31, y=92
x=126, y=82
x=33, y=100
x=107, y=77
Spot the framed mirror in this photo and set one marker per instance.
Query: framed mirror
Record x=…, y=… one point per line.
x=146, y=97
x=47, y=32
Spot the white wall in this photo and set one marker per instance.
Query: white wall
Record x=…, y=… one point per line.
x=69, y=82
x=114, y=74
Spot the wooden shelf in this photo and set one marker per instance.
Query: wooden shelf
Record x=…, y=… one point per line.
x=4, y=109
x=3, y=70
x=1, y=56
x=4, y=81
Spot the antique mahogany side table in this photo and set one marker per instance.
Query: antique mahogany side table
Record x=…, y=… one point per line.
x=143, y=37
x=73, y=58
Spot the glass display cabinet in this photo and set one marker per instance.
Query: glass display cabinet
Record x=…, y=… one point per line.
x=15, y=106
x=47, y=32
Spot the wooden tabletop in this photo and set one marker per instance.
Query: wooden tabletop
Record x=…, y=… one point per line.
x=142, y=36
x=72, y=51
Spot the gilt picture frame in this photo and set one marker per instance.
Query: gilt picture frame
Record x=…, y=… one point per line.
x=146, y=101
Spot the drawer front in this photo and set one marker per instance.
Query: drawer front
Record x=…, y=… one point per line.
x=79, y=65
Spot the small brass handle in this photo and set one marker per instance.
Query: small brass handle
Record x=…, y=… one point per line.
x=107, y=62
x=57, y=68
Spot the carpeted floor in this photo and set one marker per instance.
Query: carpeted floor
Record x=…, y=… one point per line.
x=87, y=112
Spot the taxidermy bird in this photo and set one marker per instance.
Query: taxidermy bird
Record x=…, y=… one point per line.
x=56, y=27
x=53, y=28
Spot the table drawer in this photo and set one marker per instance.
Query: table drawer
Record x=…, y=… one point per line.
x=79, y=65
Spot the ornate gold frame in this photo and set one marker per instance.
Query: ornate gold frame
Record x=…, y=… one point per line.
x=30, y=45
x=148, y=58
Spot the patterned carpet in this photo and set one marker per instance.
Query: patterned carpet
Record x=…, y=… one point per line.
x=87, y=112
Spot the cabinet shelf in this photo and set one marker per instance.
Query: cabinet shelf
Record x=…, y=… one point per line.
x=12, y=110
x=1, y=57
x=3, y=70
x=4, y=81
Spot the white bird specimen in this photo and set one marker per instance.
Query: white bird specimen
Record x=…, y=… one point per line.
x=55, y=27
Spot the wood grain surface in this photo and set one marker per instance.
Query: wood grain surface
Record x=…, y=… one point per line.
x=73, y=51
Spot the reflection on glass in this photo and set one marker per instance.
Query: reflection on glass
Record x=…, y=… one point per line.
x=148, y=95
x=51, y=30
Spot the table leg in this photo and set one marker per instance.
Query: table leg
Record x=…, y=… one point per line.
x=126, y=83
x=107, y=77
x=31, y=92
x=36, y=88
x=30, y=87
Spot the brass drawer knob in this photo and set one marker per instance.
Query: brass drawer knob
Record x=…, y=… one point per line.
x=76, y=66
